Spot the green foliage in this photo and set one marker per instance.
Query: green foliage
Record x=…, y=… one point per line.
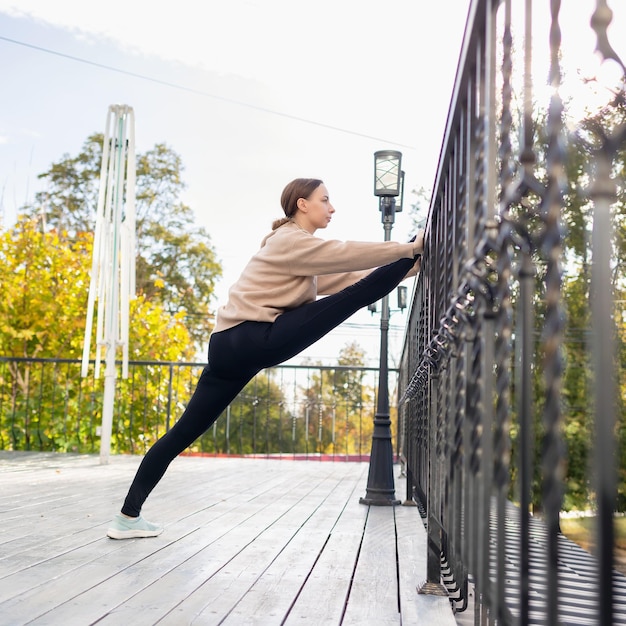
x=418, y=210
x=69, y=203
x=47, y=406
x=176, y=263
x=258, y=421
x=620, y=429
x=577, y=383
x=44, y=279
x=337, y=407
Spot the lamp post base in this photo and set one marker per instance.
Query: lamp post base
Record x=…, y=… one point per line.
x=432, y=589
x=383, y=500
x=380, y=486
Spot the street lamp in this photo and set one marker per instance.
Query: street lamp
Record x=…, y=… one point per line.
x=388, y=184
x=402, y=295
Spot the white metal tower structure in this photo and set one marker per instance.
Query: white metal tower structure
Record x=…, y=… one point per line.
x=113, y=267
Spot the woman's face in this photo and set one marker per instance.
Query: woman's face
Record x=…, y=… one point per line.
x=316, y=210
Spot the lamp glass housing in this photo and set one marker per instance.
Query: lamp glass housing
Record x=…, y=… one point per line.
x=400, y=195
x=387, y=178
x=402, y=296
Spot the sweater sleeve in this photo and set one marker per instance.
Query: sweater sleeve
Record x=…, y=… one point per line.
x=311, y=256
x=328, y=284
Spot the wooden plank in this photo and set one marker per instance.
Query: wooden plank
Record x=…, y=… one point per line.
x=412, y=554
x=246, y=542
x=373, y=597
x=155, y=600
x=64, y=530
x=87, y=574
x=271, y=596
x=92, y=589
x=323, y=596
x=216, y=597
x=72, y=572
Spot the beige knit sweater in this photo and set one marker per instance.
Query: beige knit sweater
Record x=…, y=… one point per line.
x=293, y=267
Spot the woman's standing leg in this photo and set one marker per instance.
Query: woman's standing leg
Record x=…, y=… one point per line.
x=211, y=397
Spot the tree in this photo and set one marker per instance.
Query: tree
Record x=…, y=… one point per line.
x=577, y=377
x=418, y=210
x=338, y=407
x=258, y=421
x=176, y=262
x=44, y=279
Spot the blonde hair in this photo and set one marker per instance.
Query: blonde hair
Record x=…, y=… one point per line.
x=296, y=189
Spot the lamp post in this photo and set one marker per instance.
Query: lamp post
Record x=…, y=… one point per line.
x=388, y=182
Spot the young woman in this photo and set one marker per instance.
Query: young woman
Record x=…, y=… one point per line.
x=272, y=314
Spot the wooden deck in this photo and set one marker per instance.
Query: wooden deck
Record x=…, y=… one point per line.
x=246, y=541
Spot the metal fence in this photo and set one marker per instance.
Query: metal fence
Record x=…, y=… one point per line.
x=481, y=377
x=312, y=411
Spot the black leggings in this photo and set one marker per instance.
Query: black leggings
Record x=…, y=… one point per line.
x=236, y=355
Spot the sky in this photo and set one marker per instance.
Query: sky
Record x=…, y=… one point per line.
x=250, y=94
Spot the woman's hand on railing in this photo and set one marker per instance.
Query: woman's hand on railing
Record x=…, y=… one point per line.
x=418, y=244
x=415, y=270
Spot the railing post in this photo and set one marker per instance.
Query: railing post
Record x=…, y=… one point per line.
x=170, y=387
x=433, y=585
x=228, y=429
x=524, y=381
x=603, y=194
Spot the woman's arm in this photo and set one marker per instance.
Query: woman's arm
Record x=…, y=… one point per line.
x=327, y=284
x=311, y=256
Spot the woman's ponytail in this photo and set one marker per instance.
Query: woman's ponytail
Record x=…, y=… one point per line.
x=279, y=222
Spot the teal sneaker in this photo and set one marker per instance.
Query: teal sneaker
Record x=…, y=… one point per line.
x=126, y=528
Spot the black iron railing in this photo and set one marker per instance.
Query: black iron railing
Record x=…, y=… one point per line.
x=482, y=374
x=305, y=411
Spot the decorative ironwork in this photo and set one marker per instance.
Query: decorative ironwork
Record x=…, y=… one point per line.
x=468, y=372
x=305, y=411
